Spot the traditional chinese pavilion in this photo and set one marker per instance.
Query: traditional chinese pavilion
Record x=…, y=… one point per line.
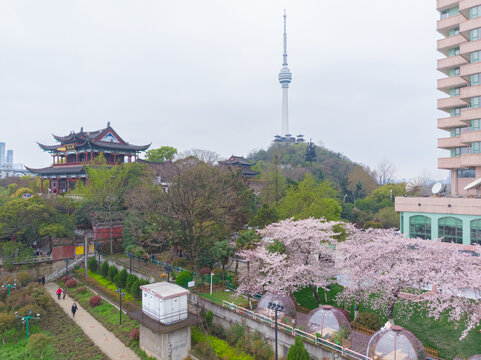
x=242, y=163
x=79, y=149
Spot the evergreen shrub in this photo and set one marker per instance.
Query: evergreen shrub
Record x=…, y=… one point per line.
x=183, y=278
x=112, y=272
x=368, y=320
x=104, y=269
x=93, y=264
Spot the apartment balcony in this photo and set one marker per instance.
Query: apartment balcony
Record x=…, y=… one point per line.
x=465, y=5
x=469, y=69
x=448, y=83
x=469, y=137
x=445, y=4
x=444, y=25
x=449, y=163
x=450, y=122
x=450, y=42
x=466, y=26
x=470, y=160
x=470, y=91
x=450, y=142
x=469, y=114
x=444, y=65
x=451, y=102
x=465, y=49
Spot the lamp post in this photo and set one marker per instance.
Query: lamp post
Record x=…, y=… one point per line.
x=97, y=248
x=276, y=308
x=9, y=286
x=211, y=275
x=121, y=295
x=66, y=266
x=25, y=319
x=131, y=258
x=168, y=269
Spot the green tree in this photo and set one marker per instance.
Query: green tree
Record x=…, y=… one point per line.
x=223, y=251
x=310, y=199
x=104, y=269
x=121, y=278
x=275, y=183
x=388, y=217
x=93, y=264
x=311, y=153
x=297, y=351
x=106, y=191
x=265, y=215
x=162, y=154
x=112, y=272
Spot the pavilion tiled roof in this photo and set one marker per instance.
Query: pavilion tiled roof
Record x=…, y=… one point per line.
x=58, y=170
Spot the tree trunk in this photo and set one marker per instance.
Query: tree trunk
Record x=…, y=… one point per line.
x=316, y=295
x=236, y=266
x=390, y=308
x=111, y=235
x=223, y=275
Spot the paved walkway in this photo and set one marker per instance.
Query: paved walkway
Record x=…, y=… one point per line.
x=104, y=339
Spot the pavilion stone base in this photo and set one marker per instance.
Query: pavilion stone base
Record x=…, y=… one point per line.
x=174, y=345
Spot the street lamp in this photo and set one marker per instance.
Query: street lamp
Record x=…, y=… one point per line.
x=97, y=248
x=168, y=269
x=25, y=319
x=9, y=286
x=121, y=295
x=211, y=275
x=131, y=258
x=276, y=308
x=66, y=266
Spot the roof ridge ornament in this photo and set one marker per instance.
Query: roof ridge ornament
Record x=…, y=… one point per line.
x=108, y=124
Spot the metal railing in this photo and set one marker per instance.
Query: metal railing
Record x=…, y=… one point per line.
x=297, y=332
x=58, y=273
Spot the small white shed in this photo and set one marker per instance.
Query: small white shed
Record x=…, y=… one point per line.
x=165, y=302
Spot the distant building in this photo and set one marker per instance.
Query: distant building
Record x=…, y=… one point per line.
x=243, y=164
x=2, y=153
x=455, y=218
x=164, y=172
x=77, y=150
x=289, y=139
x=9, y=157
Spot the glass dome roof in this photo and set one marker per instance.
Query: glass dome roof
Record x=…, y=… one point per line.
x=284, y=300
x=326, y=320
x=396, y=343
x=475, y=357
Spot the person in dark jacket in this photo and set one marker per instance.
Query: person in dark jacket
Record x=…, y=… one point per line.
x=64, y=292
x=43, y=280
x=74, y=309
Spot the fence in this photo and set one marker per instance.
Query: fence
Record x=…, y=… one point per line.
x=432, y=353
x=27, y=260
x=296, y=332
x=59, y=273
x=362, y=329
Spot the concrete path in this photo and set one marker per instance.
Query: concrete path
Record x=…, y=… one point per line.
x=104, y=339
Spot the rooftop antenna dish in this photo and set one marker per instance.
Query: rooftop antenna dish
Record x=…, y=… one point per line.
x=414, y=185
x=437, y=188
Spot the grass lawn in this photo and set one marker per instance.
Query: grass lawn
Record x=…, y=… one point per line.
x=221, y=295
x=68, y=341
x=438, y=334
x=108, y=316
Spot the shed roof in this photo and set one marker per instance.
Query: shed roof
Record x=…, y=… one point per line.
x=165, y=290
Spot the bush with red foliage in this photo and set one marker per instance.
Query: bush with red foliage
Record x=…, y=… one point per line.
x=71, y=283
x=134, y=334
x=95, y=301
x=205, y=270
x=66, y=278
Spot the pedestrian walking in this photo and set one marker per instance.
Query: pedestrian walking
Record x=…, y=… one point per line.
x=64, y=293
x=59, y=292
x=43, y=280
x=74, y=309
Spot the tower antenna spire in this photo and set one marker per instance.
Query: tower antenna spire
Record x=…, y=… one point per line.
x=285, y=78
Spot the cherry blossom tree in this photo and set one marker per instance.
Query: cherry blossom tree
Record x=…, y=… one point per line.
x=291, y=255
x=384, y=269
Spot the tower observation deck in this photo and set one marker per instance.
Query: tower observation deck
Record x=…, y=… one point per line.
x=285, y=78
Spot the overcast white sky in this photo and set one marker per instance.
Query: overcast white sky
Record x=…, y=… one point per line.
x=203, y=74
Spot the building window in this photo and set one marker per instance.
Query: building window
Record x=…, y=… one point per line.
x=466, y=173
x=475, y=102
x=476, y=232
x=474, y=12
x=456, y=152
x=476, y=147
x=475, y=57
x=455, y=112
x=455, y=92
x=475, y=125
x=453, y=51
x=475, y=79
x=454, y=32
x=454, y=71
x=475, y=34
x=420, y=226
x=455, y=132
x=451, y=230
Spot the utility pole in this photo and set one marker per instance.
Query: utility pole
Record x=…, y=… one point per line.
x=86, y=252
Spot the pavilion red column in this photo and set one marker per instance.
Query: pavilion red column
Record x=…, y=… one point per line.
x=76, y=157
x=115, y=158
x=41, y=185
x=130, y=158
x=50, y=184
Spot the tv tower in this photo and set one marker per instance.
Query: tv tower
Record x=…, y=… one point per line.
x=285, y=78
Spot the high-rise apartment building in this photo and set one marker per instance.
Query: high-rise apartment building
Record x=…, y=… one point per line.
x=2, y=153
x=455, y=218
x=460, y=25
x=9, y=157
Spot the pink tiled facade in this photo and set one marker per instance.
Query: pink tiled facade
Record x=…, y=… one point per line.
x=460, y=25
